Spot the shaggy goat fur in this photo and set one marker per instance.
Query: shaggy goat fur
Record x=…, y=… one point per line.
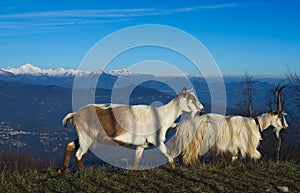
x=219, y=133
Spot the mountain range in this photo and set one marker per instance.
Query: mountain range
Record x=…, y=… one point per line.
x=31, y=88
x=123, y=78
x=30, y=74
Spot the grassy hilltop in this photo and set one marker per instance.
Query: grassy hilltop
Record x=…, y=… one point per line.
x=217, y=177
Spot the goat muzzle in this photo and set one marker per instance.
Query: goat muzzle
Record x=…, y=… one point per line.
x=201, y=112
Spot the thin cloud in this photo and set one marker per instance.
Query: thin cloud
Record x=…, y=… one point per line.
x=110, y=12
x=81, y=22
x=88, y=17
x=219, y=6
x=76, y=13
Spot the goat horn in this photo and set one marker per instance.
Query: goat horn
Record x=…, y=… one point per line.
x=278, y=91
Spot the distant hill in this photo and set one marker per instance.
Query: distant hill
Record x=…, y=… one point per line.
x=47, y=105
x=123, y=79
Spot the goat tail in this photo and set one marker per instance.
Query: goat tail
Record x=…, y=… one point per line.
x=67, y=117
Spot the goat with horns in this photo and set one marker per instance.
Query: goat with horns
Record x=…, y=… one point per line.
x=219, y=133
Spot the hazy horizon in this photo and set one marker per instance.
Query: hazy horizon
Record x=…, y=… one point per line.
x=129, y=71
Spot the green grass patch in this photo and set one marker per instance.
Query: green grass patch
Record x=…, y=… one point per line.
x=217, y=177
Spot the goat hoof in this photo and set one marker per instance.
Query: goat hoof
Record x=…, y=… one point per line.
x=61, y=170
x=173, y=165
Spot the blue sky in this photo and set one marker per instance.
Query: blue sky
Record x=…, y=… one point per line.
x=258, y=37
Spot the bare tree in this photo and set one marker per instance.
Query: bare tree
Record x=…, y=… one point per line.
x=247, y=91
x=280, y=110
x=270, y=99
x=294, y=80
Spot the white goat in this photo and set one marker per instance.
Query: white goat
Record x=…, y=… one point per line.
x=234, y=134
x=138, y=125
x=219, y=133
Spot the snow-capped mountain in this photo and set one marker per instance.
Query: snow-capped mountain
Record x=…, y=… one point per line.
x=29, y=69
x=121, y=72
x=30, y=74
x=5, y=73
x=120, y=78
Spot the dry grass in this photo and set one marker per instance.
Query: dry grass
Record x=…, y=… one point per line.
x=217, y=177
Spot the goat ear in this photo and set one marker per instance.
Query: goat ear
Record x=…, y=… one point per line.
x=183, y=92
x=277, y=113
x=273, y=112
